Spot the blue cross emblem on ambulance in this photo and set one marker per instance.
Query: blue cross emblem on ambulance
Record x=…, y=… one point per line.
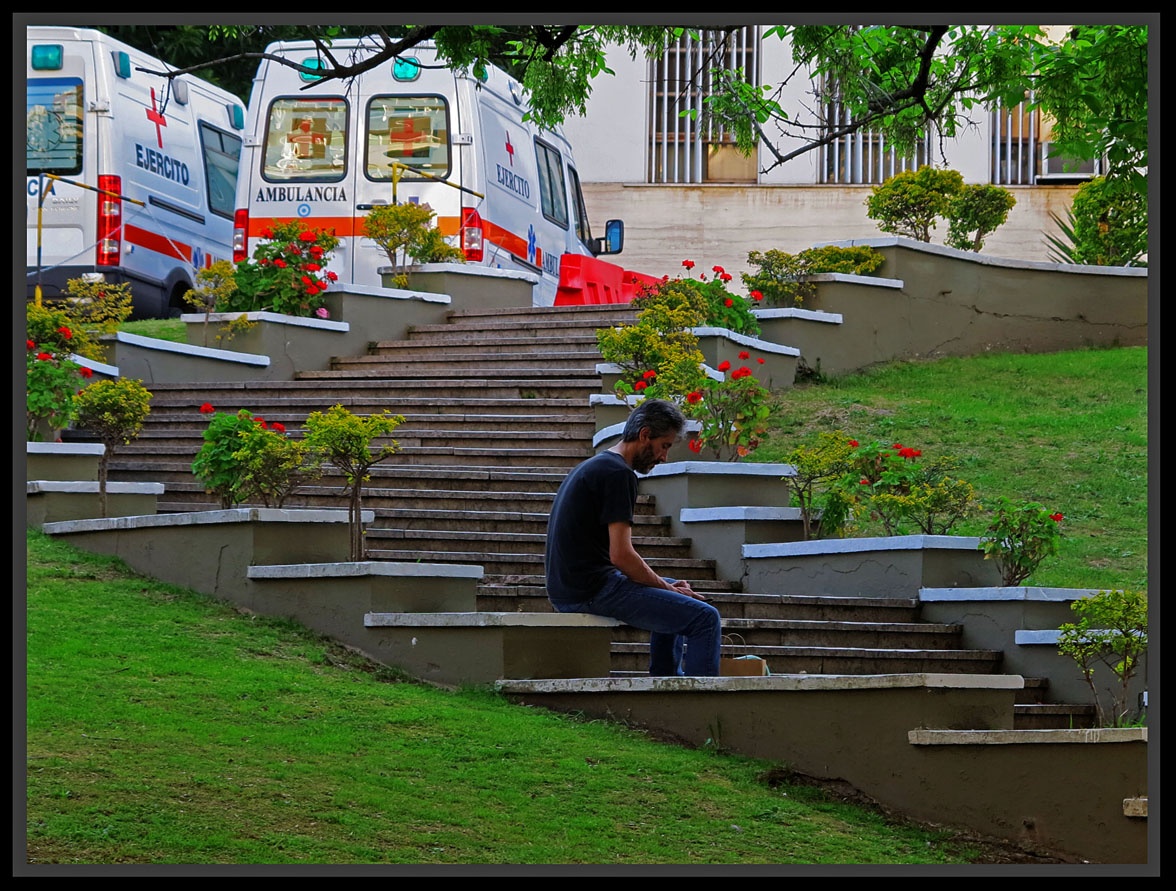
x=531, y=243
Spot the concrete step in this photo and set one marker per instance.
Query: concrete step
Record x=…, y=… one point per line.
x=495, y=544
x=1053, y=716
x=837, y=660
x=828, y=633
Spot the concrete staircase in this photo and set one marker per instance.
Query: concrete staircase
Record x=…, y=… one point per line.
x=496, y=411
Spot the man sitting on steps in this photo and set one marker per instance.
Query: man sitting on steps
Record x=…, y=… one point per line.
x=592, y=566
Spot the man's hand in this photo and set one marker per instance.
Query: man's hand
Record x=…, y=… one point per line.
x=683, y=587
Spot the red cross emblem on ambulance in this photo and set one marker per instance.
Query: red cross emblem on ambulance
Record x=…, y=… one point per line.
x=154, y=115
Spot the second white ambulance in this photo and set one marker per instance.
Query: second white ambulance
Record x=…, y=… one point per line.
x=326, y=151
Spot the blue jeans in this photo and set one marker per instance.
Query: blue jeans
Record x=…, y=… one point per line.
x=679, y=625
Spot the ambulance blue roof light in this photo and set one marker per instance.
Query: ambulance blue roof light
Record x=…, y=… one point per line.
x=47, y=56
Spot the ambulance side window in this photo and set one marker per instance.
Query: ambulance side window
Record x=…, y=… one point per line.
x=583, y=229
x=222, y=157
x=306, y=140
x=408, y=130
x=553, y=193
x=53, y=126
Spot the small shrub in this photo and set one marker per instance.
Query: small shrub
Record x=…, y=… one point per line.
x=215, y=286
x=287, y=273
x=733, y=411
x=780, y=278
x=1106, y=225
x=114, y=411
x=1112, y=630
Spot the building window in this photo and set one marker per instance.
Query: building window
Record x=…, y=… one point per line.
x=692, y=148
x=862, y=156
x=1022, y=151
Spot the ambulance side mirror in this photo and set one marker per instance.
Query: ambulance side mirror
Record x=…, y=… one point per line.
x=614, y=237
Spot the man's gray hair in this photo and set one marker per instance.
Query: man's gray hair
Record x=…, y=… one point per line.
x=661, y=417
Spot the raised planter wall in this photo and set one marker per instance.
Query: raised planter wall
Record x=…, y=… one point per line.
x=894, y=566
x=928, y=301
x=1022, y=623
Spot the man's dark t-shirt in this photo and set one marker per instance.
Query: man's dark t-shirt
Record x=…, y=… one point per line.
x=601, y=490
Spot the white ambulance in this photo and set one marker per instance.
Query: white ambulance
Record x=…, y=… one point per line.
x=128, y=176
x=327, y=151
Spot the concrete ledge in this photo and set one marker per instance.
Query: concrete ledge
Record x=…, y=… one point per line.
x=790, y=682
x=50, y=501
x=767, y=316
x=1012, y=737
x=210, y=551
x=365, y=568
x=476, y=619
x=481, y=648
x=63, y=460
x=197, y=351
x=33, y=487
x=1023, y=593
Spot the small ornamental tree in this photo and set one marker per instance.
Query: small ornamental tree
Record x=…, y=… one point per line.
x=345, y=440
x=910, y=202
x=114, y=411
x=974, y=213
x=1111, y=630
x=817, y=468
x=1019, y=537
x=405, y=231
x=215, y=284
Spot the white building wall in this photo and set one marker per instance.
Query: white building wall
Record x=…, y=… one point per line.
x=788, y=210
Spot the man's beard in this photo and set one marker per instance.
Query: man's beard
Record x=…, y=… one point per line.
x=645, y=461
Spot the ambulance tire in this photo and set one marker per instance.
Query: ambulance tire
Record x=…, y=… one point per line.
x=175, y=304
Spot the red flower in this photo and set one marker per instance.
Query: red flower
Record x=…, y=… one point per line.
x=307, y=236
x=864, y=481
x=640, y=385
x=689, y=264
x=724, y=365
x=207, y=409
x=853, y=443
x=649, y=375
x=725, y=276
x=307, y=280
x=694, y=398
x=744, y=354
x=30, y=345
x=280, y=263
x=695, y=445
x=332, y=277
x=267, y=232
x=260, y=422
x=742, y=372
x=760, y=359
x=717, y=270
x=85, y=372
x=65, y=332
x=728, y=302
x=44, y=357
x=757, y=296
x=1057, y=518
x=312, y=267
x=311, y=290
x=278, y=426
x=316, y=251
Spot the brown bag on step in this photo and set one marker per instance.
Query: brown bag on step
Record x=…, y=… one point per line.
x=741, y=666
